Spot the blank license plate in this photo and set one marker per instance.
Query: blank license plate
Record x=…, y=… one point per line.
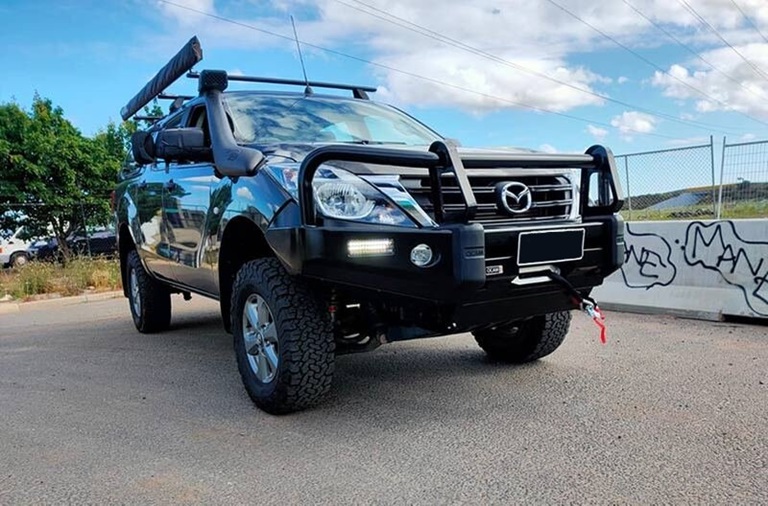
x=551, y=246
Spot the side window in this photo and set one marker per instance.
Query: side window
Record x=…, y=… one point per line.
x=199, y=119
x=174, y=122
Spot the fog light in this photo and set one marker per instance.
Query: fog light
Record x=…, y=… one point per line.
x=421, y=255
x=370, y=247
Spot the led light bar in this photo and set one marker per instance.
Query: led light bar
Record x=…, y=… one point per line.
x=370, y=247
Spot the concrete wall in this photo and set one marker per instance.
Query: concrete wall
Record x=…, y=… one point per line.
x=704, y=269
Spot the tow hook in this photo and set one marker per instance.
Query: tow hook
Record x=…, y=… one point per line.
x=586, y=304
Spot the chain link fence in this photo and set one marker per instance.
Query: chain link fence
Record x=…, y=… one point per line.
x=693, y=182
x=669, y=184
x=743, y=189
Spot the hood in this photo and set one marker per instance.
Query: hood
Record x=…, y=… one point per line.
x=295, y=153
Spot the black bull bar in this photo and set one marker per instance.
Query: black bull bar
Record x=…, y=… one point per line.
x=443, y=158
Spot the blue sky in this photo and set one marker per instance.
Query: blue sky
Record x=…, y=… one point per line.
x=90, y=57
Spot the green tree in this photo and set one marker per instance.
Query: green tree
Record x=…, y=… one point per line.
x=51, y=176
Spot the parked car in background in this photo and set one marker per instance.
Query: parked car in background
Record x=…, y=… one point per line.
x=43, y=249
x=13, y=251
x=98, y=242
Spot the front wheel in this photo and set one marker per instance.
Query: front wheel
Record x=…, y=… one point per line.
x=527, y=340
x=283, y=338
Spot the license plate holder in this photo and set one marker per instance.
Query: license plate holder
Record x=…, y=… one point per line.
x=550, y=246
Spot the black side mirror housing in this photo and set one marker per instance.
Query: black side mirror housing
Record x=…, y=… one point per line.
x=182, y=144
x=142, y=148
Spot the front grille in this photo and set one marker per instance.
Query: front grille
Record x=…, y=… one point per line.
x=552, y=196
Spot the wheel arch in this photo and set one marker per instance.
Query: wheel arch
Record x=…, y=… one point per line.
x=241, y=241
x=125, y=245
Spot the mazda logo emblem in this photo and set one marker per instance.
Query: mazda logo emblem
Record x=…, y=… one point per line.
x=514, y=197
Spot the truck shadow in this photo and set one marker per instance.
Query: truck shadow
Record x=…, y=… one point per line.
x=426, y=379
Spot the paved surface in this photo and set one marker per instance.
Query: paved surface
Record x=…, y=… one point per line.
x=93, y=412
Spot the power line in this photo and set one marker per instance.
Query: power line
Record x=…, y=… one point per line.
x=749, y=20
x=703, y=21
x=421, y=30
x=649, y=62
x=410, y=74
x=692, y=51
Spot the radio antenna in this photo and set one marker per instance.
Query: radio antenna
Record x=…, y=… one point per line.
x=308, y=89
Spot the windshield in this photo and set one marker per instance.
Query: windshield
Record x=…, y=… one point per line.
x=263, y=119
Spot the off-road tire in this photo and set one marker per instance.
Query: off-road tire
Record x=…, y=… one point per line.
x=19, y=258
x=305, y=338
x=525, y=341
x=154, y=314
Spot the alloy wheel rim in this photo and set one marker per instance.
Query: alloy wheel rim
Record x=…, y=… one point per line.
x=260, y=338
x=135, y=293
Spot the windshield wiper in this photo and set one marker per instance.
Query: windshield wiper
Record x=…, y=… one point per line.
x=366, y=141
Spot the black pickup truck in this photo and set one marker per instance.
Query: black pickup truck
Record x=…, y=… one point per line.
x=327, y=224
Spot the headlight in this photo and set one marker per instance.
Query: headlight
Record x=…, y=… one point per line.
x=342, y=200
x=342, y=195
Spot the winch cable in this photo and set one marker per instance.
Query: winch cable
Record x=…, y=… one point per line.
x=586, y=304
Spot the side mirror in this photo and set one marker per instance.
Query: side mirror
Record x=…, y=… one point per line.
x=182, y=144
x=142, y=148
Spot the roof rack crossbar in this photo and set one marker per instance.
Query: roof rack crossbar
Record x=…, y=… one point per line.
x=167, y=96
x=359, y=91
x=151, y=119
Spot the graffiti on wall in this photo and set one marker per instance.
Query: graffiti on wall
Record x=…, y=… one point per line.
x=714, y=246
x=648, y=260
x=719, y=247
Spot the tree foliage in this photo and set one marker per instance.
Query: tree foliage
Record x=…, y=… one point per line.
x=51, y=176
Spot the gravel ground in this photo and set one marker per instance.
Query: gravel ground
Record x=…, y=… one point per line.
x=669, y=411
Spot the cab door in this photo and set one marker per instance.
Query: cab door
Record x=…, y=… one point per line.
x=190, y=218
x=153, y=245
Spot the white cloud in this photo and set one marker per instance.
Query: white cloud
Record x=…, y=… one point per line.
x=535, y=35
x=597, y=132
x=745, y=91
x=547, y=148
x=747, y=137
x=634, y=122
x=186, y=17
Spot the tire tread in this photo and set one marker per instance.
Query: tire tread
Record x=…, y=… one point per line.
x=155, y=299
x=539, y=337
x=306, y=344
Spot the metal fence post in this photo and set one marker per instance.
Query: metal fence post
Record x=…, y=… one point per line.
x=712, y=162
x=722, y=168
x=629, y=194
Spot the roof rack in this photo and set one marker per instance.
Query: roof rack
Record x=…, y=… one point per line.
x=166, y=96
x=357, y=91
x=150, y=119
x=178, y=100
x=192, y=53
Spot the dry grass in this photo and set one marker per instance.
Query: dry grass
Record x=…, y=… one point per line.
x=748, y=209
x=77, y=276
